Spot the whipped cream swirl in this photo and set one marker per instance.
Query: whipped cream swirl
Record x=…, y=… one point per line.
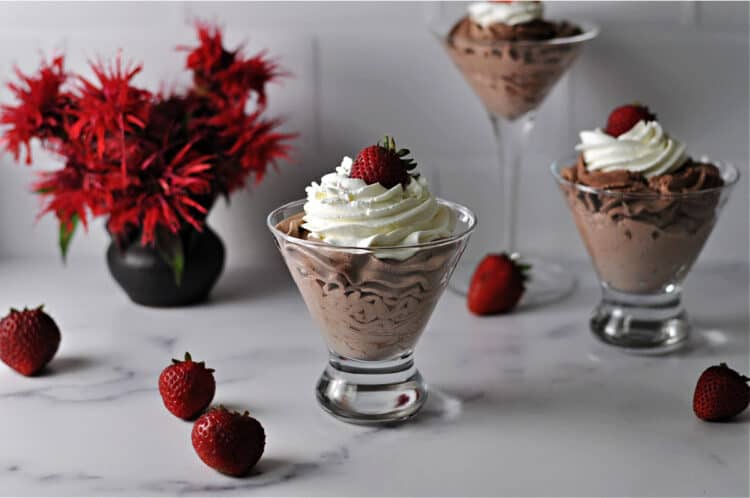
x=347, y=211
x=488, y=13
x=644, y=149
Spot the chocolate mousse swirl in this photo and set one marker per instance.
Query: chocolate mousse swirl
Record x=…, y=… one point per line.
x=536, y=30
x=368, y=308
x=508, y=63
x=658, y=200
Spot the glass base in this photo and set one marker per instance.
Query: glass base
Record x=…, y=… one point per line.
x=550, y=282
x=641, y=324
x=371, y=392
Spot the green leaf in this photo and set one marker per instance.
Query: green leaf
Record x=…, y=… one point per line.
x=66, y=235
x=169, y=246
x=389, y=143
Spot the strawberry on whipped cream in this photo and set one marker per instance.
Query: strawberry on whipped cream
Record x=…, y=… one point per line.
x=346, y=211
x=635, y=154
x=646, y=148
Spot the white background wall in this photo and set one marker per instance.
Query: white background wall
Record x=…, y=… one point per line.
x=362, y=69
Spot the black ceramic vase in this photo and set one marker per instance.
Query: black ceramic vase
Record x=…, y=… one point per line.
x=148, y=280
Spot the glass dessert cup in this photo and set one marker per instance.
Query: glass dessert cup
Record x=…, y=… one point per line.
x=642, y=246
x=371, y=305
x=512, y=79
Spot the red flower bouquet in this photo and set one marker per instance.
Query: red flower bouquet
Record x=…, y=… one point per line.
x=151, y=163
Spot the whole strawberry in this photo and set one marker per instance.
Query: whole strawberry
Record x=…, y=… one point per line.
x=383, y=164
x=28, y=340
x=497, y=285
x=721, y=393
x=187, y=387
x=228, y=442
x=623, y=118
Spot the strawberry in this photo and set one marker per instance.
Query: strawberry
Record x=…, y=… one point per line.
x=228, y=442
x=28, y=340
x=187, y=387
x=497, y=285
x=623, y=118
x=721, y=393
x=383, y=164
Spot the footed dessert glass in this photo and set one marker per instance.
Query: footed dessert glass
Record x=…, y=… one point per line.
x=371, y=305
x=642, y=246
x=512, y=79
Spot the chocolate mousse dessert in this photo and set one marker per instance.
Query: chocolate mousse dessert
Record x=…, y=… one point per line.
x=510, y=55
x=371, y=251
x=643, y=207
x=368, y=288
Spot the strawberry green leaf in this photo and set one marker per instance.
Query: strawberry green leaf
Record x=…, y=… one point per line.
x=389, y=143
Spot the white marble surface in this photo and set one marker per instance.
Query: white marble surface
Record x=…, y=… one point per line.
x=524, y=405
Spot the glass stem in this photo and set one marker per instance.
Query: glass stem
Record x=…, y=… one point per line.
x=511, y=137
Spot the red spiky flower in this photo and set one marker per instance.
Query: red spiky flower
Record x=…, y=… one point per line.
x=41, y=109
x=151, y=163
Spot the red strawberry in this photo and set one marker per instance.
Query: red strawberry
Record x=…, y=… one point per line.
x=622, y=119
x=383, y=164
x=187, y=387
x=497, y=285
x=721, y=393
x=228, y=442
x=28, y=340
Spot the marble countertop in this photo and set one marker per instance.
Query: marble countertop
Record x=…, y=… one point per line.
x=522, y=405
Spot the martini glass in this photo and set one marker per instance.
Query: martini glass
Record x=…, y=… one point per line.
x=512, y=79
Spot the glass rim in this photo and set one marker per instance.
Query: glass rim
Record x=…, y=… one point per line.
x=729, y=173
x=589, y=32
x=422, y=245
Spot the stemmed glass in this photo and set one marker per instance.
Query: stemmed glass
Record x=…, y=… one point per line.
x=371, y=305
x=512, y=80
x=643, y=245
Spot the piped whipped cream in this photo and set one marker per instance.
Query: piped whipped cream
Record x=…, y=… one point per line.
x=646, y=148
x=511, y=13
x=346, y=211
